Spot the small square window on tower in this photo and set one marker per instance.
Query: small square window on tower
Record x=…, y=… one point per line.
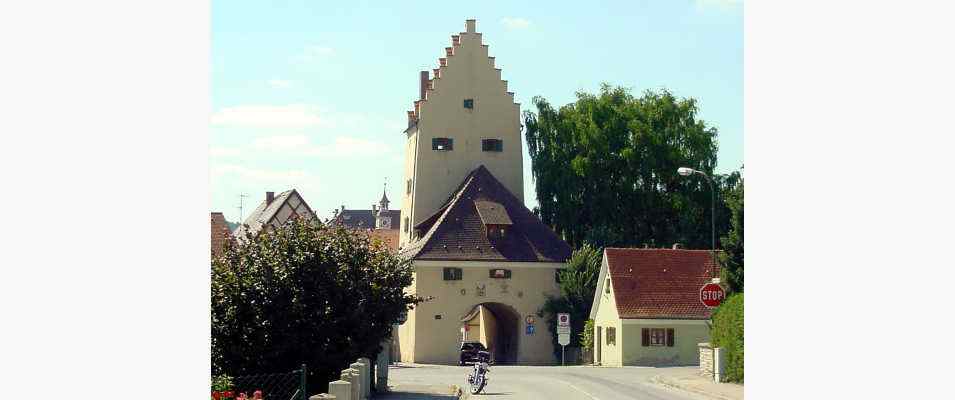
x=442, y=144
x=492, y=145
x=469, y=104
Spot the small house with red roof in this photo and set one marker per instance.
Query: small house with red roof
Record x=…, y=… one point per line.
x=647, y=309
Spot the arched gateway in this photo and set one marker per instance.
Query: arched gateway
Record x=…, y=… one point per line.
x=497, y=326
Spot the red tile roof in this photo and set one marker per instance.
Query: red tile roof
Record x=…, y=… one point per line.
x=660, y=283
x=220, y=233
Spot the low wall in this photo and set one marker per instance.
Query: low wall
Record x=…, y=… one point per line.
x=706, y=359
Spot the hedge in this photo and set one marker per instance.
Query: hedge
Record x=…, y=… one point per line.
x=727, y=332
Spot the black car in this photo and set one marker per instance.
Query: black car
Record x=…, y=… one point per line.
x=473, y=351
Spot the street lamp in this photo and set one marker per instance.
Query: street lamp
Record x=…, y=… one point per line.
x=684, y=171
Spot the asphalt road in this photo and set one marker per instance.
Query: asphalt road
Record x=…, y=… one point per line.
x=549, y=383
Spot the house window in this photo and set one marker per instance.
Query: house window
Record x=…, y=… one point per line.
x=611, y=336
x=442, y=144
x=406, y=224
x=658, y=337
x=607, y=286
x=408, y=186
x=469, y=104
x=492, y=145
x=453, y=274
x=500, y=273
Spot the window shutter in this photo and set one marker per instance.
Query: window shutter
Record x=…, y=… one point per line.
x=646, y=337
x=670, y=337
x=447, y=274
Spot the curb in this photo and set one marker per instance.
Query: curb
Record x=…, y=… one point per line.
x=658, y=379
x=461, y=393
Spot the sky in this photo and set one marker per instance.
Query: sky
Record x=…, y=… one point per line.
x=313, y=95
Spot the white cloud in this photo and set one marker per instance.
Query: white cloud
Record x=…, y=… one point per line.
x=252, y=175
x=294, y=115
x=515, y=23
x=224, y=152
x=341, y=147
x=345, y=147
x=280, y=142
x=279, y=83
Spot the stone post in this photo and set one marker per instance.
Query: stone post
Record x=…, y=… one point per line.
x=340, y=389
x=357, y=366
x=354, y=378
x=706, y=359
x=719, y=364
x=366, y=378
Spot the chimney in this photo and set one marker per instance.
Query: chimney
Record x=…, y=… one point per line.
x=269, y=197
x=470, y=26
x=677, y=246
x=424, y=83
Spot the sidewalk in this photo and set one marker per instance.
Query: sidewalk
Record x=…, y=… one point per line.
x=690, y=380
x=406, y=391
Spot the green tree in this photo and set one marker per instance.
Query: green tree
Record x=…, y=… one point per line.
x=304, y=293
x=731, y=258
x=605, y=169
x=727, y=332
x=577, y=285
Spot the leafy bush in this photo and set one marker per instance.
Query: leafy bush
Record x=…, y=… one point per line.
x=304, y=294
x=587, y=336
x=577, y=285
x=727, y=332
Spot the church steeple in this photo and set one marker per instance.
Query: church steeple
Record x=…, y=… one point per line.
x=383, y=203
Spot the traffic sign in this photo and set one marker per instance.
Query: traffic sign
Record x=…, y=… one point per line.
x=563, y=319
x=563, y=339
x=711, y=295
x=529, y=319
x=563, y=329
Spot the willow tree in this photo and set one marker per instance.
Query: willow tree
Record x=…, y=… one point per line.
x=605, y=169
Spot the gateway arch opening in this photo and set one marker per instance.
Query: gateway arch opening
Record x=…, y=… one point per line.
x=496, y=325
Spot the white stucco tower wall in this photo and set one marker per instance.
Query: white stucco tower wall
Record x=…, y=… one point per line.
x=467, y=72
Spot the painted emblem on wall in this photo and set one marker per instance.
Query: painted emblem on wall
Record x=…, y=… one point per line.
x=464, y=292
x=480, y=290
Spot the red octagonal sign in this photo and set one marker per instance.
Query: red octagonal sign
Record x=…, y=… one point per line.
x=712, y=294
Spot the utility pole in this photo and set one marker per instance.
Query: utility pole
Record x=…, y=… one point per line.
x=241, y=196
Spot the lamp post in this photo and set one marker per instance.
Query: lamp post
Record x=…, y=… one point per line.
x=684, y=171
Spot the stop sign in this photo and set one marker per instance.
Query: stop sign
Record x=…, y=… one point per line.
x=712, y=294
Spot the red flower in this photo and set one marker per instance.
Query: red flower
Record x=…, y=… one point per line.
x=257, y=395
x=227, y=394
x=215, y=395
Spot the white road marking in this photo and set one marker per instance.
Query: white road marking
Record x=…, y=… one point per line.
x=581, y=390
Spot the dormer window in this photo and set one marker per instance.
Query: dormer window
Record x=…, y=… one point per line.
x=442, y=144
x=494, y=217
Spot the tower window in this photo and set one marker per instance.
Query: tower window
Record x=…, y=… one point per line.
x=442, y=144
x=406, y=224
x=492, y=145
x=500, y=273
x=408, y=184
x=469, y=104
x=453, y=274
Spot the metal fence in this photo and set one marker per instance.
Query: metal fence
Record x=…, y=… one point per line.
x=281, y=386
